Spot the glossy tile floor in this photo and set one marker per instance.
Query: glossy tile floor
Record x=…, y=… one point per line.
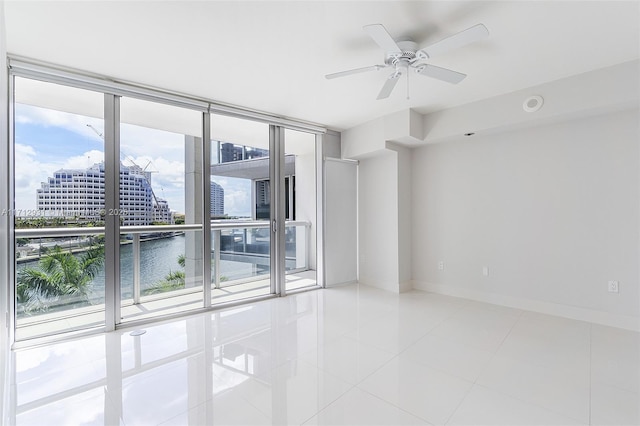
x=349, y=355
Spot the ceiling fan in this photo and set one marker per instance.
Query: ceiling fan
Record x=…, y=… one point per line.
x=402, y=55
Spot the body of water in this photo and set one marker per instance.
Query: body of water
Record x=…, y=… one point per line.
x=158, y=258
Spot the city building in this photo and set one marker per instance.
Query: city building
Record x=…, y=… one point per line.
x=80, y=194
x=468, y=213
x=217, y=199
x=162, y=213
x=233, y=152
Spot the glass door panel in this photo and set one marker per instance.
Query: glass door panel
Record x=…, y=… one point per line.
x=59, y=155
x=300, y=209
x=161, y=246
x=240, y=209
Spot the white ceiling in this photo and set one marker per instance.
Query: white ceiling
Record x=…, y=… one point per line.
x=272, y=56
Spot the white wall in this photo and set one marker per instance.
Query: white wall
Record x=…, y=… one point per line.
x=341, y=222
x=331, y=144
x=404, y=215
x=552, y=211
x=378, y=220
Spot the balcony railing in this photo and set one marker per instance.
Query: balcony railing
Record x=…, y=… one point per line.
x=233, y=243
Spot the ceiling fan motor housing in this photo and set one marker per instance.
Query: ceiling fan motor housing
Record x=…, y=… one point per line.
x=407, y=55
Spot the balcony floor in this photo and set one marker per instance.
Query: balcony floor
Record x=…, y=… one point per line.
x=152, y=306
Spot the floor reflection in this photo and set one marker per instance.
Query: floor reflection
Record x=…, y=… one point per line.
x=203, y=369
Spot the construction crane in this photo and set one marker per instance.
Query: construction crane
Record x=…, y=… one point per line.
x=128, y=157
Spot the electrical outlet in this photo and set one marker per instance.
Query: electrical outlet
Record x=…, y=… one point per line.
x=613, y=286
x=441, y=265
x=485, y=271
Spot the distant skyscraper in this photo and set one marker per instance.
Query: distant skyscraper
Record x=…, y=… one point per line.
x=217, y=200
x=80, y=193
x=263, y=198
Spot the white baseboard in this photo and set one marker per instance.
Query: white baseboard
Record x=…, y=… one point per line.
x=573, y=312
x=406, y=286
x=387, y=286
x=341, y=284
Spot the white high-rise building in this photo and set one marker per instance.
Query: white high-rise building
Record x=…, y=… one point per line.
x=79, y=194
x=161, y=212
x=217, y=200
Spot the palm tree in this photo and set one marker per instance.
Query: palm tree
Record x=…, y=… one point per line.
x=172, y=281
x=59, y=276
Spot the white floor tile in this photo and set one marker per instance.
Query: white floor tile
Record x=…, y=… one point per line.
x=484, y=406
x=346, y=355
x=422, y=391
x=63, y=378
x=161, y=393
x=389, y=333
x=85, y=408
x=357, y=407
x=226, y=409
x=615, y=357
x=549, y=341
x=449, y=356
x=566, y=393
x=483, y=329
x=348, y=359
x=614, y=406
x=293, y=392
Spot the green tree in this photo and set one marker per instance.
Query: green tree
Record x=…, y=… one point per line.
x=59, y=278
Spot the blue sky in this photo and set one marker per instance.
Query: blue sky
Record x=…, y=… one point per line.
x=48, y=140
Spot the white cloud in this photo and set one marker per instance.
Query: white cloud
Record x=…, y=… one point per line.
x=28, y=114
x=136, y=141
x=84, y=161
x=29, y=173
x=237, y=195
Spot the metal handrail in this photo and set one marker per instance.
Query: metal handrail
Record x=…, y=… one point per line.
x=96, y=230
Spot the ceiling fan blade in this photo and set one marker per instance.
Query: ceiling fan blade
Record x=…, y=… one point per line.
x=380, y=35
x=389, y=85
x=354, y=71
x=440, y=73
x=470, y=35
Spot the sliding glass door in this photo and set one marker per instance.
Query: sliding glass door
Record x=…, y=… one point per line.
x=133, y=208
x=58, y=219
x=240, y=209
x=161, y=209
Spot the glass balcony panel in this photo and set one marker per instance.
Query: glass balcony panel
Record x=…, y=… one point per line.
x=59, y=284
x=160, y=273
x=244, y=263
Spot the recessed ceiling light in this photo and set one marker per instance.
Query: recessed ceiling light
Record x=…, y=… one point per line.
x=532, y=103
